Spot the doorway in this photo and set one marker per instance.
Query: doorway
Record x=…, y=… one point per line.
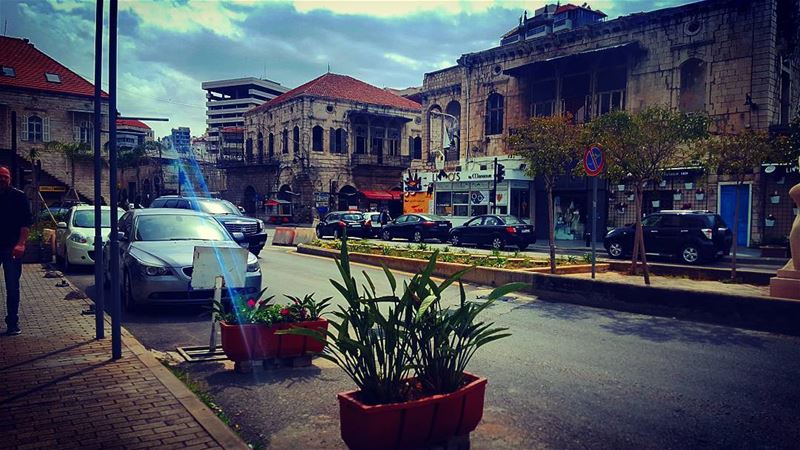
x=726, y=207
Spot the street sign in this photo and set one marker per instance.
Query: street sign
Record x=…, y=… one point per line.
x=594, y=160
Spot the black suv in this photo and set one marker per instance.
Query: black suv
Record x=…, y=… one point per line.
x=692, y=236
x=226, y=213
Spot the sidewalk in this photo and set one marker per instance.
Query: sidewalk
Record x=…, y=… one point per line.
x=60, y=389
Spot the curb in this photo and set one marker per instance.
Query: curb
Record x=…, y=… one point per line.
x=754, y=312
x=209, y=421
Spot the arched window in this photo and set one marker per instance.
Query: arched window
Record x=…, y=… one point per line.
x=35, y=126
x=317, y=138
x=260, y=148
x=494, y=114
x=249, y=149
x=417, y=148
x=296, y=139
x=693, y=86
x=285, y=148
x=271, y=145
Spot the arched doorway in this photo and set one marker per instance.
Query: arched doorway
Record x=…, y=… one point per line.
x=249, y=200
x=348, y=196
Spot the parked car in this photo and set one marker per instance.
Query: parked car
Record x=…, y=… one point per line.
x=375, y=220
x=692, y=236
x=417, y=228
x=335, y=223
x=59, y=210
x=75, y=234
x=156, y=251
x=228, y=214
x=497, y=231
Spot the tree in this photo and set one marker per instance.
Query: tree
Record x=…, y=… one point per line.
x=550, y=145
x=739, y=155
x=135, y=158
x=639, y=147
x=73, y=151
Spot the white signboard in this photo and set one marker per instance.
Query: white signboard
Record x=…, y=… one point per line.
x=212, y=262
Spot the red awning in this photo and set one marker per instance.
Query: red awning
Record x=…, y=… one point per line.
x=382, y=195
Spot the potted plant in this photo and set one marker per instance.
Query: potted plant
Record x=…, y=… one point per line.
x=676, y=195
x=689, y=185
x=775, y=198
x=407, y=355
x=770, y=220
x=248, y=327
x=630, y=196
x=699, y=194
x=37, y=249
x=662, y=183
x=621, y=187
x=656, y=203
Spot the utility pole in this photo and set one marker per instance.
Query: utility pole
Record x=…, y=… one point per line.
x=494, y=187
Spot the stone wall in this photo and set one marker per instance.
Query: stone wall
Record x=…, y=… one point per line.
x=61, y=114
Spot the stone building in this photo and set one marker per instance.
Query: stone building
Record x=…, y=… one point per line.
x=333, y=143
x=43, y=101
x=735, y=60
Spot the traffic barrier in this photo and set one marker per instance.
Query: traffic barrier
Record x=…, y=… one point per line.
x=303, y=236
x=283, y=236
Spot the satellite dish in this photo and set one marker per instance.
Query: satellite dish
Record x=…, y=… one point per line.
x=769, y=169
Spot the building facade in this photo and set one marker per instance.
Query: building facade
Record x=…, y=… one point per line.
x=132, y=133
x=42, y=101
x=736, y=61
x=332, y=143
x=228, y=100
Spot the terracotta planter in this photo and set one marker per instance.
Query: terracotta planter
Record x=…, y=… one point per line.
x=411, y=424
x=254, y=342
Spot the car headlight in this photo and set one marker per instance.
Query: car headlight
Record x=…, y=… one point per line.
x=260, y=225
x=155, y=271
x=253, y=267
x=79, y=238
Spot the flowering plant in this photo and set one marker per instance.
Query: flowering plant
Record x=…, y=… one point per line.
x=260, y=310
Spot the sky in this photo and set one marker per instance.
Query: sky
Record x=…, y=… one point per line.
x=167, y=48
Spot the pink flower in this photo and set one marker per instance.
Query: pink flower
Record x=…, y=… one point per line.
x=251, y=303
x=285, y=312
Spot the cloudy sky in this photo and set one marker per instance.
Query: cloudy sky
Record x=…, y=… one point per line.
x=167, y=48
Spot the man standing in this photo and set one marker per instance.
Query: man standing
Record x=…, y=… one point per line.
x=385, y=217
x=14, y=229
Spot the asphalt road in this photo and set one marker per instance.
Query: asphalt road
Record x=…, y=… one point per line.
x=569, y=376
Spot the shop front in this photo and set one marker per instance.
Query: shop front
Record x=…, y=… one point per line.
x=572, y=208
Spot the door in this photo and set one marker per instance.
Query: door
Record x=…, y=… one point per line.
x=410, y=226
x=672, y=234
x=727, y=207
x=650, y=229
x=471, y=230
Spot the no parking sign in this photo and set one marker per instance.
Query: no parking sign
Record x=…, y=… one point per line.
x=594, y=160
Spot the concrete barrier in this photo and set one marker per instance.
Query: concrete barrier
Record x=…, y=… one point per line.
x=304, y=235
x=754, y=312
x=283, y=236
x=758, y=278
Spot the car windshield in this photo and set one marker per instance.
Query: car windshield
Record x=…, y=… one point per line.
x=218, y=207
x=511, y=220
x=352, y=217
x=179, y=227
x=85, y=218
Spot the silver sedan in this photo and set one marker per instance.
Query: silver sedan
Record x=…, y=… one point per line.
x=156, y=251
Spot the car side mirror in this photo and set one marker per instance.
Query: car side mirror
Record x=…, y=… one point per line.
x=61, y=225
x=237, y=236
x=122, y=236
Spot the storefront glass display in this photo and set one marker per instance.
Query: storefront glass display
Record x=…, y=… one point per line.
x=570, y=216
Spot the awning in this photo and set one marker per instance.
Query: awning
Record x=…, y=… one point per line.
x=382, y=195
x=522, y=68
x=274, y=202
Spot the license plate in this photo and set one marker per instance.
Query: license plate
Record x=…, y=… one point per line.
x=355, y=226
x=526, y=231
x=443, y=225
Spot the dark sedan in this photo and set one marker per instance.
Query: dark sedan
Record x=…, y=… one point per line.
x=417, y=228
x=494, y=230
x=335, y=224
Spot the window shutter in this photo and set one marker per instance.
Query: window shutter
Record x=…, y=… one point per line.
x=24, y=133
x=46, y=129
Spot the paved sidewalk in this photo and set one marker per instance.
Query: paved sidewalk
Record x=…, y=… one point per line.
x=60, y=389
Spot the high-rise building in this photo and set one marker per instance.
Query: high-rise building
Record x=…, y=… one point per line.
x=181, y=140
x=227, y=101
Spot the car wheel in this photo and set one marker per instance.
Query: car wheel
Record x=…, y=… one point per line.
x=387, y=235
x=417, y=236
x=615, y=249
x=455, y=240
x=498, y=243
x=127, y=293
x=522, y=247
x=690, y=254
x=319, y=233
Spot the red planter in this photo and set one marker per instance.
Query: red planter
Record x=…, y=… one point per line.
x=254, y=342
x=411, y=424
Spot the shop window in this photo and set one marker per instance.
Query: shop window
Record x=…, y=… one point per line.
x=494, y=114
x=316, y=138
x=444, y=203
x=570, y=216
x=461, y=204
x=693, y=86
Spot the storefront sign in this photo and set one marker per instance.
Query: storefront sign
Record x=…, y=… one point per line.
x=419, y=203
x=52, y=189
x=322, y=197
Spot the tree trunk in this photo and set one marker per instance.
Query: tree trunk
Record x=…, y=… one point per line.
x=552, y=228
x=637, y=210
x=735, y=230
x=642, y=249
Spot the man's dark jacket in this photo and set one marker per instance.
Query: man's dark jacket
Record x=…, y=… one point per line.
x=16, y=214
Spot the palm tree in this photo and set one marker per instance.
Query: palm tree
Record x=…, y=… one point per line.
x=137, y=157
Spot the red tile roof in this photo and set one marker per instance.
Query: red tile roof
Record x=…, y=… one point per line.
x=31, y=64
x=131, y=123
x=343, y=87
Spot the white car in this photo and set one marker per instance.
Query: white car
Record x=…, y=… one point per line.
x=75, y=236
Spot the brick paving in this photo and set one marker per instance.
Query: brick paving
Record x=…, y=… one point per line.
x=59, y=387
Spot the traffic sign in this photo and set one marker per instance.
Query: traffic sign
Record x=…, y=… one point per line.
x=594, y=160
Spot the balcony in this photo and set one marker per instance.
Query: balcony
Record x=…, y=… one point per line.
x=364, y=159
x=562, y=24
x=228, y=161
